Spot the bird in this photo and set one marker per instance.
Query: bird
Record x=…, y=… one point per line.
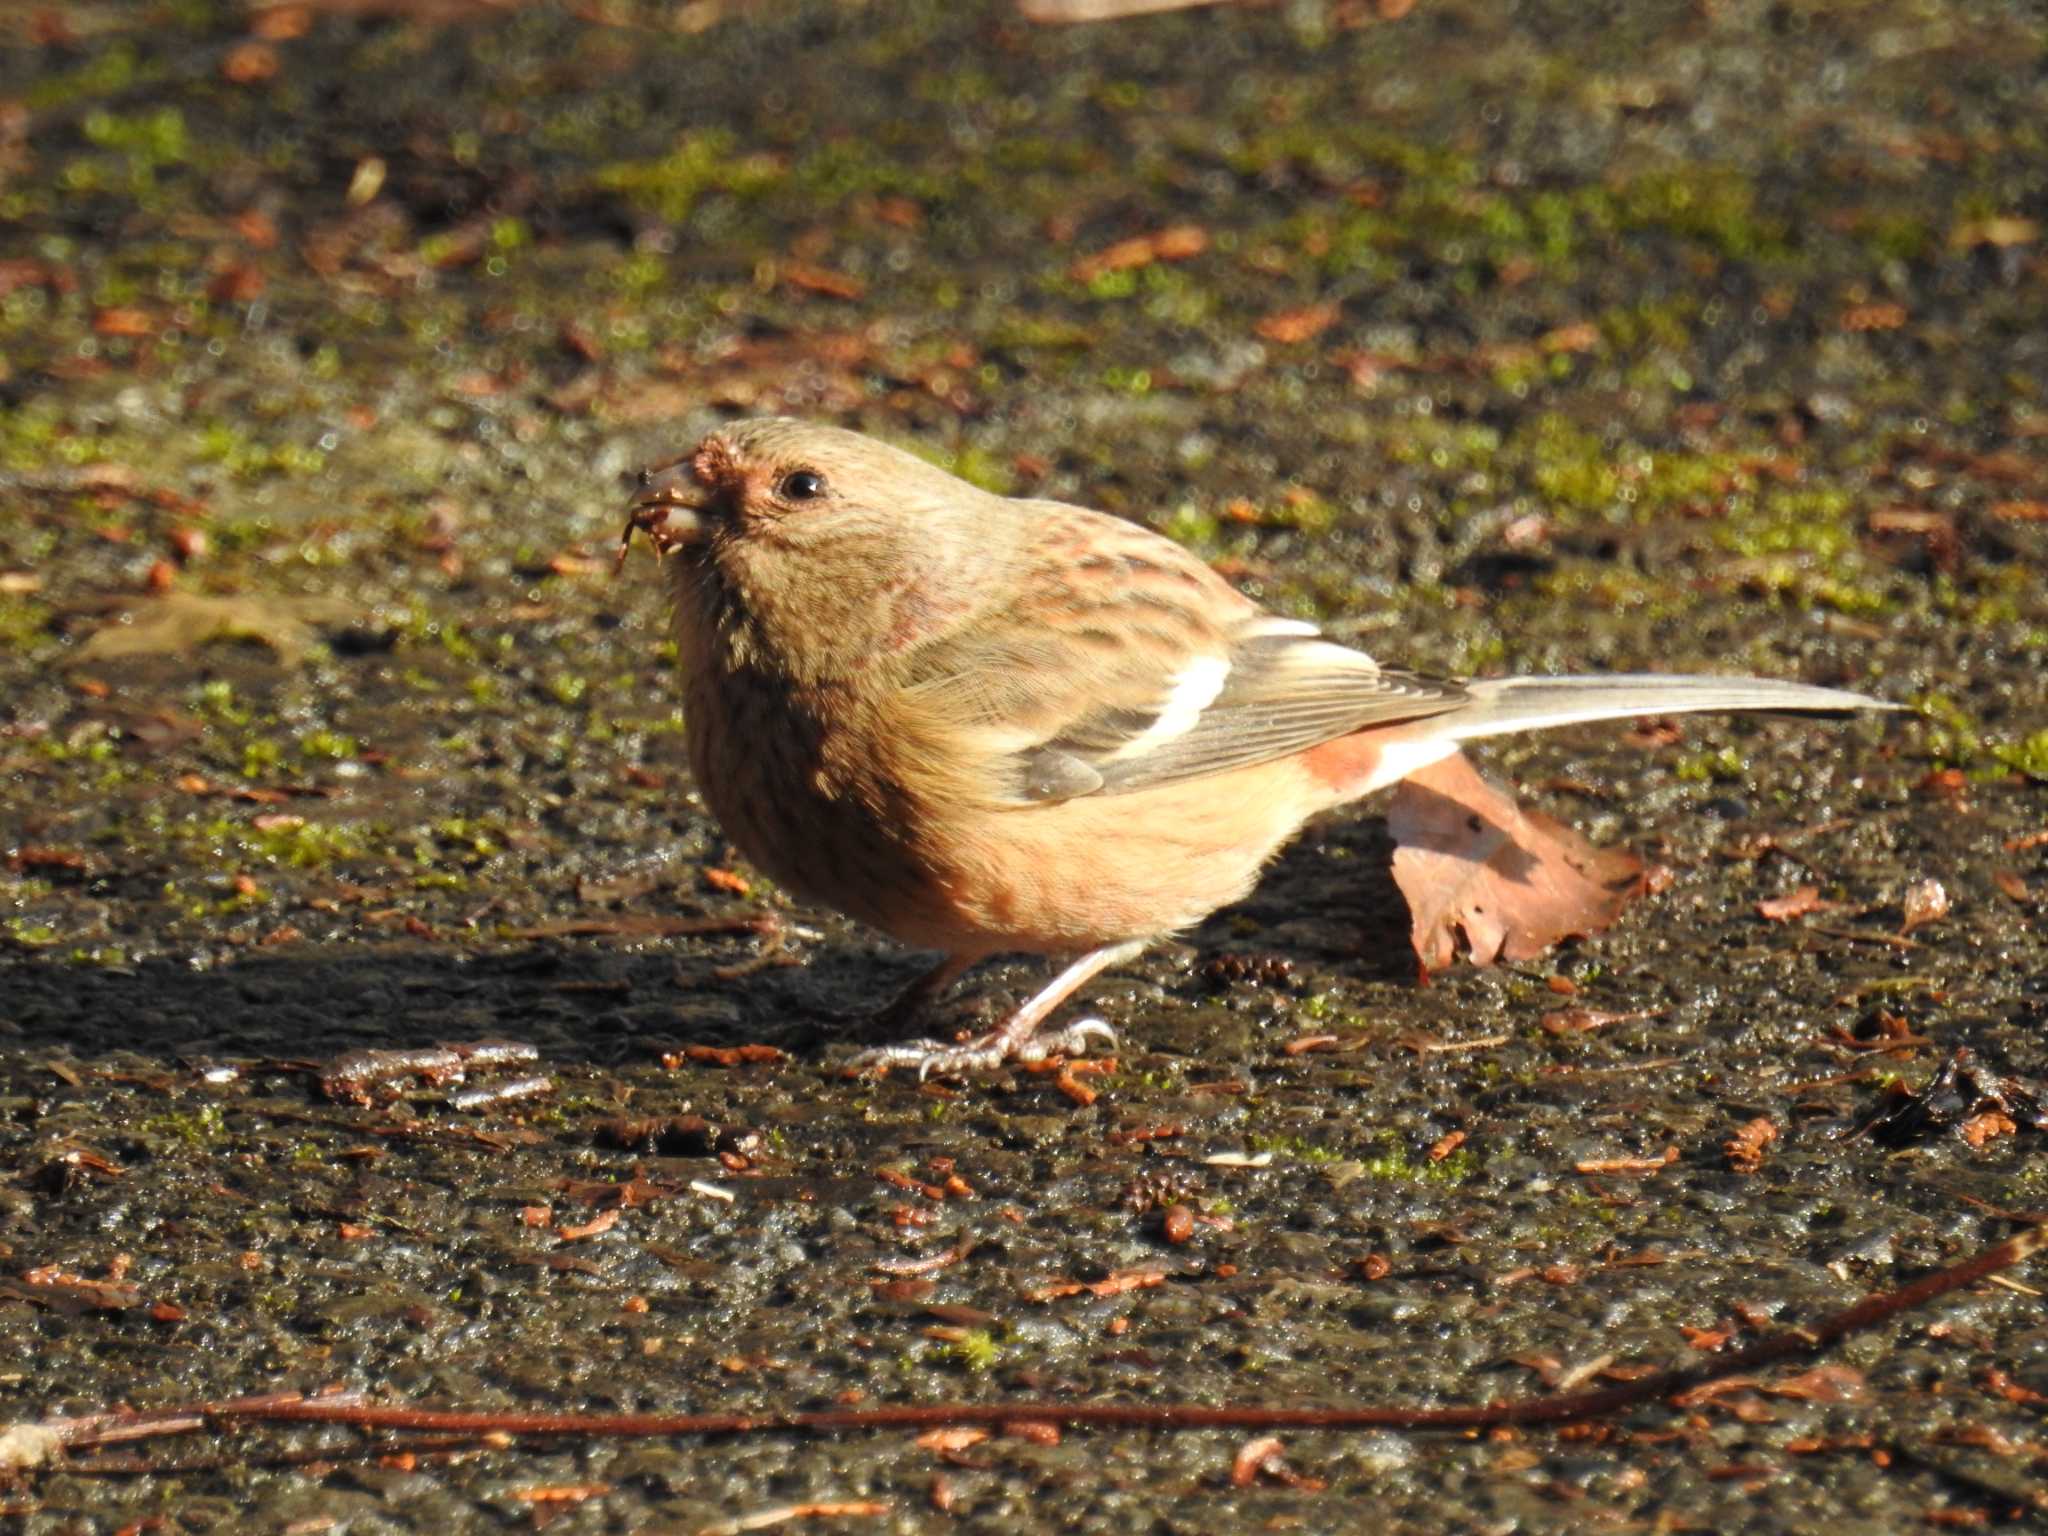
x=988, y=725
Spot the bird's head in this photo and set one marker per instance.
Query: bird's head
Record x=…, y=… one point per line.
x=820, y=537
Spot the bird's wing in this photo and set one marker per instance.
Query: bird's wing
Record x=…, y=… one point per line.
x=1123, y=663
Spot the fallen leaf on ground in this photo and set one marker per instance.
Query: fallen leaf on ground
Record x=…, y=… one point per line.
x=177, y=622
x=1512, y=882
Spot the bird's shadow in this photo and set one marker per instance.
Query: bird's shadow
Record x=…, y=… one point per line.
x=1327, y=901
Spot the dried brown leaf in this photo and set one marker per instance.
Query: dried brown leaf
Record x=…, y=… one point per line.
x=1511, y=882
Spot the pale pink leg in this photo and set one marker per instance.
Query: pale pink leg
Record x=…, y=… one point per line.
x=1017, y=1038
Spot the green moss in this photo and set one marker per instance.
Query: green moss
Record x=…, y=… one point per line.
x=200, y=1128
x=111, y=73
x=977, y=1350
x=24, y=623
x=331, y=745
x=30, y=934
x=2029, y=756
x=971, y=464
x=1295, y=1149
x=1394, y=1163
x=670, y=186
x=231, y=446
x=1723, y=767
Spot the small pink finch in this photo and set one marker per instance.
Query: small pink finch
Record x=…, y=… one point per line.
x=986, y=725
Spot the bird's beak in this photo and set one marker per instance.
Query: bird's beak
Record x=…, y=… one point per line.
x=669, y=507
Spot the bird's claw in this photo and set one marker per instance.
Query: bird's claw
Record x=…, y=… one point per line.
x=984, y=1053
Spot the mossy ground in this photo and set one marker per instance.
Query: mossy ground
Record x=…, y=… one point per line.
x=1514, y=338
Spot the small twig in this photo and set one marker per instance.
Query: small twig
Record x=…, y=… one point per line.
x=1558, y=1408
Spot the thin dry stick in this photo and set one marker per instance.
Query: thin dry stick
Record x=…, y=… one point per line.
x=1562, y=1408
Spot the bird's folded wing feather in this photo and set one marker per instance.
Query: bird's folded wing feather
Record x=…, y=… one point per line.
x=1125, y=663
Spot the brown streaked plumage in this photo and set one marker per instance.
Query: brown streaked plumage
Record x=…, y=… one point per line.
x=986, y=725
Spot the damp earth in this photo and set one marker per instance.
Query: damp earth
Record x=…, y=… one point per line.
x=1494, y=337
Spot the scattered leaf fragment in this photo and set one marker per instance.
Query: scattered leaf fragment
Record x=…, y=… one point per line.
x=1745, y=1149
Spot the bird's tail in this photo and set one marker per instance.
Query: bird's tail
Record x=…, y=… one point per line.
x=1500, y=705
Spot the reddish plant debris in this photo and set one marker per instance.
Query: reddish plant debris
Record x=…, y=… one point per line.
x=1946, y=784
x=2010, y=883
x=1177, y=243
x=124, y=322
x=1583, y=336
x=1177, y=1223
x=1138, y=1134
x=895, y=1178
x=1636, y=1165
x=1264, y=1458
x=1999, y=1384
x=1068, y=1081
x=1445, y=1145
x=823, y=281
x=1115, y=1284
x=1510, y=882
x=1874, y=317
x=1798, y=902
x=1291, y=326
x=1745, y=1149
x=562, y=1493
x=2020, y=511
x=597, y=1226
x=750, y=1055
x=952, y=1440
x=1987, y=1127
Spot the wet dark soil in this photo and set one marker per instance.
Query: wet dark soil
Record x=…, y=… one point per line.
x=1496, y=337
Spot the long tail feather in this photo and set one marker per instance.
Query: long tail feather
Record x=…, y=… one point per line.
x=1500, y=705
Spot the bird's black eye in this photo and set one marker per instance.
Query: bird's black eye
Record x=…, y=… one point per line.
x=802, y=485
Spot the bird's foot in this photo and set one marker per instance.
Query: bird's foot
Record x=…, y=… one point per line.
x=985, y=1053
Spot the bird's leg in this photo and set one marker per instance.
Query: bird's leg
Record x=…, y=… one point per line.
x=1017, y=1038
